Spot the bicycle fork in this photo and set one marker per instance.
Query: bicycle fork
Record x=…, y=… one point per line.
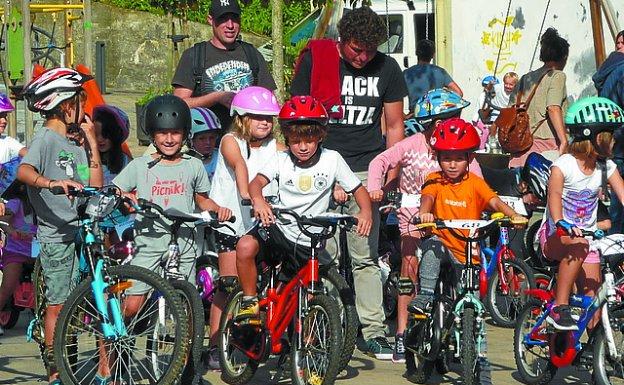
x=479, y=310
x=107, y=306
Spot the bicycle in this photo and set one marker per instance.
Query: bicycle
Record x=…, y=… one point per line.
x=299, y=307
x=92, y=331
x=552, y=349
x=456, y=323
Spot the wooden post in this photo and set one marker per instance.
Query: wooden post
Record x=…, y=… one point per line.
x=28, y=117
x=12, y=117
x=277, y=19
x=87, y=22
x=596, y=19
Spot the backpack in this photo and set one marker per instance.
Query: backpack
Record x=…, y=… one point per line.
x=199, y=56
x=514, y=128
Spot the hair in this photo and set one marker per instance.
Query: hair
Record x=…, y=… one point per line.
x=364, y=26
x=241, y=128
x=57, y=112
x=304, y=130
x=511, y=75
x=425, y=49
x=114, y=158
x=619, y=35
x=585, y=148
x=553, y=47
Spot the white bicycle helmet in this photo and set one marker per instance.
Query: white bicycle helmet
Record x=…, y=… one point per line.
x=48, y=90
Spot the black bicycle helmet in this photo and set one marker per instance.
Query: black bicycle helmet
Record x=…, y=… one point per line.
x=167, y=112
x=535, y=173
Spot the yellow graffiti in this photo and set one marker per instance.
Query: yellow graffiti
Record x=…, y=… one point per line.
x=493, y=40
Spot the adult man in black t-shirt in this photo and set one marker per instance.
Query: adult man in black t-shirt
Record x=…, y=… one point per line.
x=227, y=67
x=370, y=83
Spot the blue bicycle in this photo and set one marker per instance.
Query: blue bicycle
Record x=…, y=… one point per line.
x=94, y=342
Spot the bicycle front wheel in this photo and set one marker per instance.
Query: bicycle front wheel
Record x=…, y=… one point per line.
x=316, y=343
x=608, y=368
x=194, y=310
x=152, y=351
x=468, y=358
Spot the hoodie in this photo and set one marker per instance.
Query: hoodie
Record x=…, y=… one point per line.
x=609, y=82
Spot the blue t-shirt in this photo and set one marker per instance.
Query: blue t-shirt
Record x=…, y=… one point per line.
x=212, y=165
x=422, y=78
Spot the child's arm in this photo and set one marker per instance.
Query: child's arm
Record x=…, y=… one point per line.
x=379, y=166
x=27, y=174
x=496, y=204
x=261, y=208
x=426, y=206
x=234, y=159
x=365, y=216
x=205, y=203
x=617, y=184
x=96, y=175
x=555, y=197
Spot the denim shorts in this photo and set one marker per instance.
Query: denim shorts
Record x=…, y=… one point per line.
x=60, y=270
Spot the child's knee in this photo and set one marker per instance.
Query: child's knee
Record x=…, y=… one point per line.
x=247, y=248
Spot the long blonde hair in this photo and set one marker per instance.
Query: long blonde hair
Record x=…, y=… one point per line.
x=241, y=128
x=585, y=148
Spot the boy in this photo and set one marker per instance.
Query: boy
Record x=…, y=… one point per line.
x=305, y=175
x=206, y=132
x=62, y=154
x=453, y=193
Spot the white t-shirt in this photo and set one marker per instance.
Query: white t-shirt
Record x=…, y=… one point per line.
x=580, y=193
x=308, y=191
x=499, y=100
x=9, y=148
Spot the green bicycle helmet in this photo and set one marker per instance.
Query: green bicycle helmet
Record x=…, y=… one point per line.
x=587, y=117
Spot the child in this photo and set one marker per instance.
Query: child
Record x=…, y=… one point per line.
x=575, y=183
x=9, y=147
x=173, y=180
x=62, y=154
x=484, y=115
x=205, y=135
x=305, y=176
x=241, y=154
x=453, y=193
x=112, y=129
x=417, y=160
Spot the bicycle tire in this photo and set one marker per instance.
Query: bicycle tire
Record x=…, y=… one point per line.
x=531, y=246
x=194, y=309
x=348, y=313
x=247, y=369
x=302, y=372
x=126, y=346
x=39, y=310
x=608, y=371
x=542, y=371
x=468, y=357
x=504, y=309
x=420, y=370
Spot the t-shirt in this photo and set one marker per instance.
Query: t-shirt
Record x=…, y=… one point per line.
x=357, y=136
x=171, y=186
x=422, y=78
x=580, y=193
x=464, y=200
x=19, y=242
x=56, y=158
x=108, y=175
x=225, y=70
x=550, y=92
x=308, y=191
x=9, y=148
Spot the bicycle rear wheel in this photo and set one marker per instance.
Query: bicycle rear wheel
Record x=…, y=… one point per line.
x=532, y=361
x=316, y=343
x=36, y=327
x=152, y=352
x=505, y=307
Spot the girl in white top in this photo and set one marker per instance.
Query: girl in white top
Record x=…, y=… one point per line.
x=242, y=153
x=9, y=147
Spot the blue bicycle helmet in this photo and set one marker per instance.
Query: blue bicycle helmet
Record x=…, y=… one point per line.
x=535, y=173
x=439, y=103
x=412, y=127
x=202, y=120
x=489, y=80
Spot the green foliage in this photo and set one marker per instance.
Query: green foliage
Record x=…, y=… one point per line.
x=151, y=93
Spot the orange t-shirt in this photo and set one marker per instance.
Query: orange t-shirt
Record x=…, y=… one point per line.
x=464, y=200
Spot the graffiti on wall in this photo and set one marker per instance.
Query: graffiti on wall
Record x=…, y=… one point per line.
x=492, y=40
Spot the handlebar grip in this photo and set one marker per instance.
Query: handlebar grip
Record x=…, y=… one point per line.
x=57, y=190
x=214, y=216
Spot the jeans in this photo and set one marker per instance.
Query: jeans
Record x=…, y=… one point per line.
x=616, y=212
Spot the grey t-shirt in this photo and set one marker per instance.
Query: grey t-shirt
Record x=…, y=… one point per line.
x=422, y=78
x=171, y=186
x=55, y=157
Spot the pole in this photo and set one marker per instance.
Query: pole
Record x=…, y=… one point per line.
x=612, y=22
x=596, y=19
x=28, y=117
x=277, y=18
x=88, y=34
x=12, y=117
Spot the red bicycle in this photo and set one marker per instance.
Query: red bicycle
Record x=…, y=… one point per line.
x=296, y=317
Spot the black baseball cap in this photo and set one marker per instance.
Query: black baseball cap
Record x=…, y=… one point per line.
x=219, y=8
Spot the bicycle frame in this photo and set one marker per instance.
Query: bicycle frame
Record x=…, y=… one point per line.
x=493, y=259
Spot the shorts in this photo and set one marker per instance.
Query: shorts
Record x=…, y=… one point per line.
x=59, y=263
x=276, y=248
x=225, y=242
x=405, y=214
x=592, y=257
x=11, y=257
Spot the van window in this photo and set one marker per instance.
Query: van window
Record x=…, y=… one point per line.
x=393, y=44
x=419, y=26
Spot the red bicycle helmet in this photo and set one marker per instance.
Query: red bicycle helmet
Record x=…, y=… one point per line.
x=455, y=134
x=303, y=109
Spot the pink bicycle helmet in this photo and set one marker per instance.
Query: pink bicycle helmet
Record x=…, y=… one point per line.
x=49, y=89
x=5, y=103
x=255, y=100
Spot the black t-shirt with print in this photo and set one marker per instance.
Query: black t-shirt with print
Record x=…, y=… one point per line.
x=357, y=137
x=226, y=70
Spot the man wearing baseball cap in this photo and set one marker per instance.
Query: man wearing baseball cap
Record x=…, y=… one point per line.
x=210, y=73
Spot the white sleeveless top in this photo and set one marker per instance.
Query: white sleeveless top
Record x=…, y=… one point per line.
x=224, y=191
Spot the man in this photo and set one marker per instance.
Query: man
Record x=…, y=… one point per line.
x=425, y=76
x=369, y=83
x=228, y=65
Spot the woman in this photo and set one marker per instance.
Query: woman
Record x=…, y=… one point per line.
x=546, y=108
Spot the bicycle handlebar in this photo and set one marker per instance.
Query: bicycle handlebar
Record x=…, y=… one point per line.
x=469, y=224
x=144, y=206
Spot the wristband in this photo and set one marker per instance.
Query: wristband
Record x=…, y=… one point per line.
x=36, y=179
x=50, y=184
x=565, y=225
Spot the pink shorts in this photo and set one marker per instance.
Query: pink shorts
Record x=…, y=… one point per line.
x=592, y=256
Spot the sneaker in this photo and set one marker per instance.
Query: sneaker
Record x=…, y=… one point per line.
x=561, y=318
x=248, y=310
x=380, y=348
x=211, y=359
x=398, y=356
x=420, y=304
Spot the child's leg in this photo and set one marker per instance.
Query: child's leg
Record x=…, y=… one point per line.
x=10, y=279
x=588, y=282
x=571, y=252
x=246, y=251
x=429, y=270
x=227, y=277
x=409, y=276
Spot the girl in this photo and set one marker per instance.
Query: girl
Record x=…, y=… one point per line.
x=9, y=147
x=243, y=152
x=417, y=160
x=112, y=129
x=575, y=183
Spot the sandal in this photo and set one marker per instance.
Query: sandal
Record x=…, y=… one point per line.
x=101, y=380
